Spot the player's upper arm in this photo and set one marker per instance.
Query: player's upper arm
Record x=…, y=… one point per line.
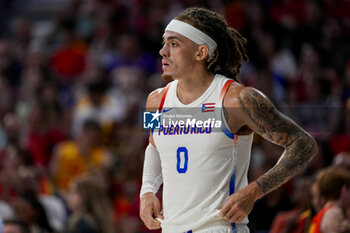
x=249, y=107
x=154, y=98
x=152, y=103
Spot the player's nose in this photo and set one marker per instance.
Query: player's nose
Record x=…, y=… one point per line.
x=164, y=52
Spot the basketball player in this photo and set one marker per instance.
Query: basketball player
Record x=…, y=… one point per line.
x=204, y=172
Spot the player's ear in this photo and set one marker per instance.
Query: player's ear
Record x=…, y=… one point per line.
x=202, y=52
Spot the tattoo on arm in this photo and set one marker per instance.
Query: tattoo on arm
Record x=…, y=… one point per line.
x=277, y=128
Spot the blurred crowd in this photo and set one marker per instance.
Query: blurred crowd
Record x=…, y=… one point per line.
x=74, y=80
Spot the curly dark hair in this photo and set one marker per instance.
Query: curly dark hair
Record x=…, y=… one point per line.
x=230, y=51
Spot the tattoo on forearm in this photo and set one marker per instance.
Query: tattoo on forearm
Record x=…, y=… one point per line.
x=272, y=125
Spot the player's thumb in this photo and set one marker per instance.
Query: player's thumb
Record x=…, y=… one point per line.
x=156, y=211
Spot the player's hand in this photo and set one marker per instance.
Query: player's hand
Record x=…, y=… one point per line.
x=240, y=204
x=149, y=210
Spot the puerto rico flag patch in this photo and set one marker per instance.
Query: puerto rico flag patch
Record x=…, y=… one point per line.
x=208, y=107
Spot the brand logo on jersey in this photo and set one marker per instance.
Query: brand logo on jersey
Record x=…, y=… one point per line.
x=151, y=120
x=167, y=110
x=208, y=107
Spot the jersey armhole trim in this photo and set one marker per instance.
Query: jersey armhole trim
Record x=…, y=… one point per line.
x=163, y=97
x=224, y=126
x=224, y=89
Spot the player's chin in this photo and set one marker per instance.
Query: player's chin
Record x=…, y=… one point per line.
x=167, y=77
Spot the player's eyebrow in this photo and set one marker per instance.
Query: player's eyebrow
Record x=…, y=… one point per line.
x=171, y=38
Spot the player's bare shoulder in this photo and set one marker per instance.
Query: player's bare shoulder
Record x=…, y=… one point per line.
x=230, y=98
x=240, y=100
x=154, y=98
x=153, y=102
x=238, y=93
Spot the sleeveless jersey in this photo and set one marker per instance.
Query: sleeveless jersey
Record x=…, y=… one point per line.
x=200, y=167
x=315, y=226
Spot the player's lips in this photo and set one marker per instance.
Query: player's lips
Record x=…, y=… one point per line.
x=165, y=64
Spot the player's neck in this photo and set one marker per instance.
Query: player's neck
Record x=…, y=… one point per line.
x=193, y=86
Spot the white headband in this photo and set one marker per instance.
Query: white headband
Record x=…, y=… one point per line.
x=192, y=33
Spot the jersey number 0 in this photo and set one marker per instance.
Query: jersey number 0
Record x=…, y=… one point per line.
x=182, y=155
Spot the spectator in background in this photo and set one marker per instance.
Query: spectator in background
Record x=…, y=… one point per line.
x=293, y=221
x=6, y=210
x=15, y=226
x=38, y=184
x=43, y=132
x=342, y=159
x=269, y=206
x=102, y=47
x=6, y=94
x=98, y=105
x=317, y=201
x=310, y=29
x=5, y=16
x=288, y=13
x=314, y=201
x=334, y=185
x=21, y=36
x=91, y=210
x=76, y=157
x=53, y=109
x=10, y=67
x=29, y=209
x=35, y=73
x=335, y=49
x=310, y=68
x=130, y=54
x=346, y=85
x=340, y=140
x=12, y=128
x=9, y=176
x=128, y=88
x=68, y=60
x=318, y=113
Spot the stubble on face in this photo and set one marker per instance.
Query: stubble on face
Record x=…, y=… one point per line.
x=167, y=78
